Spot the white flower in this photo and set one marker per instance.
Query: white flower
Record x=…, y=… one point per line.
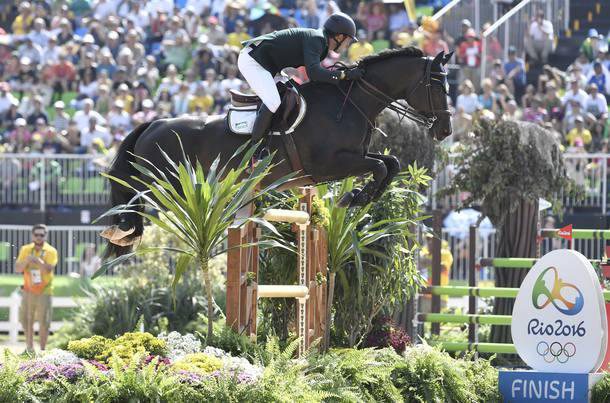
x=216, y=352
x=178, y=346
x=59, y=357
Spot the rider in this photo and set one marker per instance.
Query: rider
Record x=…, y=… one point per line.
x=265, y=56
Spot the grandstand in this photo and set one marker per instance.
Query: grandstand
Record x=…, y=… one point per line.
x=76, y=77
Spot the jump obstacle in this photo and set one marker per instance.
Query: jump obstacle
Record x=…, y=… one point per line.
x=473, y=292
x=243, y=290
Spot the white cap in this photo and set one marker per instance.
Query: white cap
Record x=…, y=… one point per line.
x=59, y=104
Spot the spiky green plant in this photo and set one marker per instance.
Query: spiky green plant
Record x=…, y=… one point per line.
x=199, y=207
x=370, y=251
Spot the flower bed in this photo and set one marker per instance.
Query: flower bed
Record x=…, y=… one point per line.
x=139, y=367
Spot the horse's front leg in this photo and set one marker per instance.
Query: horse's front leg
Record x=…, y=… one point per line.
x=355, y=164
x=392, y=165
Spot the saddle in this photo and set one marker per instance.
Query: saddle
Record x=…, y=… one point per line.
x=243, y=109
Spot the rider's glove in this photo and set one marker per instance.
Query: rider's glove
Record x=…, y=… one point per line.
x=354, y=74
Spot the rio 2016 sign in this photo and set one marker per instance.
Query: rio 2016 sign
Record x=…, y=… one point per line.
x=559, y=318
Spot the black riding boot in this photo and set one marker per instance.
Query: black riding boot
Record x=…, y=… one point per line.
x=260, y=129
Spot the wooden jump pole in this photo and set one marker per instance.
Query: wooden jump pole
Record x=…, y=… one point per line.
x=243, y=290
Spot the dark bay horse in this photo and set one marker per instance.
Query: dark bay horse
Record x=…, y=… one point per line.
x=332, y=140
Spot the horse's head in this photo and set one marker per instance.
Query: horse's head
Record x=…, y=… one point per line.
x=418, y=80
x=429, y=96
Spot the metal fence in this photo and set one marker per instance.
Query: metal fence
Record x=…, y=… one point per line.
x=70, y=242
x=589, y=172
x=458, y=243
x=39, y=180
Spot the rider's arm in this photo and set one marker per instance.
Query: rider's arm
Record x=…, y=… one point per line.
x=311, y=55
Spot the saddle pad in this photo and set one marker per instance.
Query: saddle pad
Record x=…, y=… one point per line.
x=241, y=119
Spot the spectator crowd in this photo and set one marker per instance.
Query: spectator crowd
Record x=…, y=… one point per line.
x=77, y=76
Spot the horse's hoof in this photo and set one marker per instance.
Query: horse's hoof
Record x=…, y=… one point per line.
x=360, y=200
x=114, y=233
x=346, y=199
x=127, y=241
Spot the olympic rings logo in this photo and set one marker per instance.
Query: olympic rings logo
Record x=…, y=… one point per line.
x=556, y=351
x=554, y=296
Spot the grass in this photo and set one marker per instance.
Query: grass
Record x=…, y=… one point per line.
x=64, y=286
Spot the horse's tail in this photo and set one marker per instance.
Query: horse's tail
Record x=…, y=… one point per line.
x=122, y=168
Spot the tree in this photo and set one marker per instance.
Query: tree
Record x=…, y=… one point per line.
x=506, y=167
x=198, y=208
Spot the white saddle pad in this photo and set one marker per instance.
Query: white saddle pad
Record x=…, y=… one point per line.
x=241, y=119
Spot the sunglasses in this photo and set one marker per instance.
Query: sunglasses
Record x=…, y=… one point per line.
x=39, y=235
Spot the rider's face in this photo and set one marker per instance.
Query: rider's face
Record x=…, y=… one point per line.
x=344, y=45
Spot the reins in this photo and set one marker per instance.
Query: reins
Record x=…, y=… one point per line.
x=402, y=110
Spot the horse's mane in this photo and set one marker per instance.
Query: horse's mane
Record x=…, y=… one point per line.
x=410, y=51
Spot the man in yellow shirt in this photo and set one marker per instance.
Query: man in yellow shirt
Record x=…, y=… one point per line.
x=240, y=35
x=425, y=255
x=201, y=102
x=358, y=50
x=23, y=22
x=579, y=132
x=37, y=261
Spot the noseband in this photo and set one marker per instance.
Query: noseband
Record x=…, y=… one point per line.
x=421, y=118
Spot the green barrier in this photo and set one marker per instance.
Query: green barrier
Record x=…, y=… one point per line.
x=497, y=348
x=455, y=318
x=517, y=263
x=462, y=291
x=485, y=292
x=512, y=262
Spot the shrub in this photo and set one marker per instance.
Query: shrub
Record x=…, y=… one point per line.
x=128, y=344
x=427, y=374
x=89, y=348
x=601, y=391
x=359, y=375
x=386, y=334
x=198, y=363
x=125, y=347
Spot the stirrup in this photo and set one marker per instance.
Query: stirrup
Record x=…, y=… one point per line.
x=260, y=154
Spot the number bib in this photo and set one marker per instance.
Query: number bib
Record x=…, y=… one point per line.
x=36, y=276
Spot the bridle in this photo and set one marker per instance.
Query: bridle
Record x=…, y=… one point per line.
x=404, y=109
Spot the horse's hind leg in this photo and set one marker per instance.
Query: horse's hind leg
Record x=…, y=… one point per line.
x=354, y=164
x=392, y=165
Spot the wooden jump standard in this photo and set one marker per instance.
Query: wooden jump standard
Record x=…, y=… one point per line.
x=243, y=289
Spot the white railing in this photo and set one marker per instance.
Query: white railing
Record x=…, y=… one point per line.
x=13, y=326
x=589, y=172
x=510, y=29
x=41, y=180
x=70, y=242
x=458, y=242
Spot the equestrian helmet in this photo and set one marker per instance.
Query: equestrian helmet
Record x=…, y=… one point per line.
x=340, y=23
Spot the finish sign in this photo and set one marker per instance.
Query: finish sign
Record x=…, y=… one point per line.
x=559, y=318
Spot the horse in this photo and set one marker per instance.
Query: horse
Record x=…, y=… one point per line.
x=332, y=138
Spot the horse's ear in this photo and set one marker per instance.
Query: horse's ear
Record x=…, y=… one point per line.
x=447, y=57
x=438, y=58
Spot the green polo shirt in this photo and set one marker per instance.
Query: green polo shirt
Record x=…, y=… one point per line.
x=293, y=47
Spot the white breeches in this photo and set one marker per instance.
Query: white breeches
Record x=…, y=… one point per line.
x=260, y=80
